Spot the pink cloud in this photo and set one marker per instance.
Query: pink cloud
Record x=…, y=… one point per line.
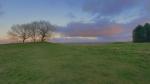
x=94, y=30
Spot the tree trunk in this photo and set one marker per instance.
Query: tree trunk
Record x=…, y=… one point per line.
x=34, y=40
x=23, y=41
x=43, y=38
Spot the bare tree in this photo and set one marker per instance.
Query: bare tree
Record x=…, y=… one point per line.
x=44, y=29
x=33, y=29
x=20, y=32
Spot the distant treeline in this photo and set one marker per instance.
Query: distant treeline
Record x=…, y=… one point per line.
x=36, y=31
x=142, y=33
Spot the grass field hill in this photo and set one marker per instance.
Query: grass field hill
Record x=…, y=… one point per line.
x=48, y=63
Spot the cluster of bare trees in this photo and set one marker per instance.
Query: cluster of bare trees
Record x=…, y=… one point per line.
x=35, y=31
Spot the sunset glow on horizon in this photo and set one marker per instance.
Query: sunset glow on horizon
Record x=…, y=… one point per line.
x=77, y=20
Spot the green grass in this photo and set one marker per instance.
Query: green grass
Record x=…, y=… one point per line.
x=45, y=63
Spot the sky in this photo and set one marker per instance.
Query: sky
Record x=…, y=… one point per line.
x=78, y=20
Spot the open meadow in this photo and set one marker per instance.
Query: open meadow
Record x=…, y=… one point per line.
x=47, y=63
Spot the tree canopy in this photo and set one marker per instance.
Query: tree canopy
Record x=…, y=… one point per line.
x=142, y=33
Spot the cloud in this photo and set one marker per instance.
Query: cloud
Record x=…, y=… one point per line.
x=92, y=29
x=123, y=11
x=71, y=15
x=113, y=20
x=109, y=7
x=74, y=39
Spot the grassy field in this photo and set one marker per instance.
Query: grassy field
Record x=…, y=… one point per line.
x=45, y=63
